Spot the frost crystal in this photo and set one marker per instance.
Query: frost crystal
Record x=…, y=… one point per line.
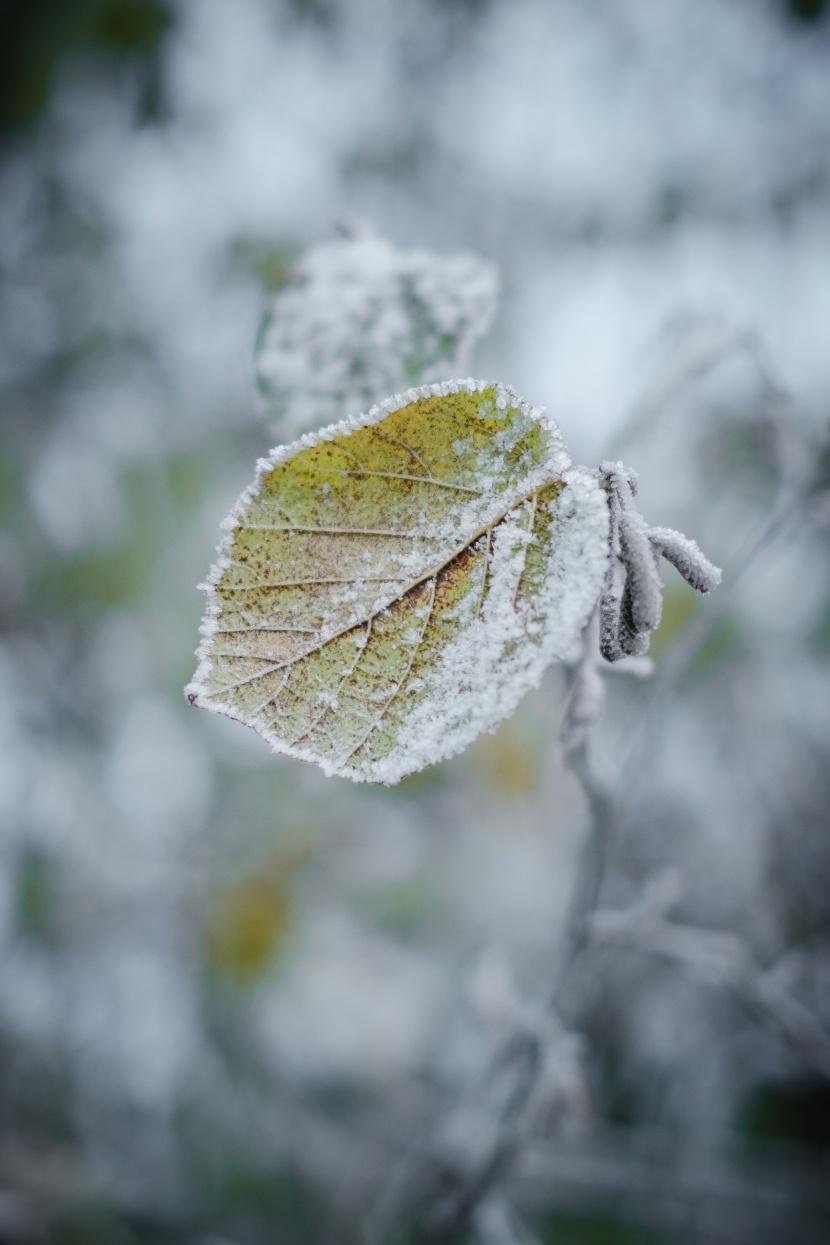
x=455, y=543
x=631, y=602
x=361, y=319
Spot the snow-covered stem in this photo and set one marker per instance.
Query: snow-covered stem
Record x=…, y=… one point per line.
x=452, y=1215
x=585, y=894
x=474, y=1194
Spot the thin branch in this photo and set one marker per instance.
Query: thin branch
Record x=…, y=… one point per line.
x=720, y=958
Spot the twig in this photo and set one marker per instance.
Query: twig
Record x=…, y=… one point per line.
x=718, y=957
x=592, y=864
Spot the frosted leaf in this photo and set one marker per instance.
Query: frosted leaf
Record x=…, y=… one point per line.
x=391, y=586
x=360, y=320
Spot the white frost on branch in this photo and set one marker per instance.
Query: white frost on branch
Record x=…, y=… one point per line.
x=586, y=702
x=717, y=958
x=359, y=320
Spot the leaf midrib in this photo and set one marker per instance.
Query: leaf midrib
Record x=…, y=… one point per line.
x=491, y=525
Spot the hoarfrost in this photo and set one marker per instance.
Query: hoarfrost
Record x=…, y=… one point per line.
x=493, y=662
x=380, y=624
x=499, y=576
x=361, y=319
x=631, y=602
x=686, y=557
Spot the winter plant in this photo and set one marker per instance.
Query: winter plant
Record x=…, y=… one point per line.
x=391, y=586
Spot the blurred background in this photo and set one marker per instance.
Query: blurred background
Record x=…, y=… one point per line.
x=235, y=996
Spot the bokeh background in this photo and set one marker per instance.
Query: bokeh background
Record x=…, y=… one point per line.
x=232, y=992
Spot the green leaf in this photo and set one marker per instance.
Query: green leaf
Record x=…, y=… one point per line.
x=390, y=587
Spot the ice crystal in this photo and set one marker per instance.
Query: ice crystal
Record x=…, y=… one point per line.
x=631, y=602
x=359, y=320
x=455, y=543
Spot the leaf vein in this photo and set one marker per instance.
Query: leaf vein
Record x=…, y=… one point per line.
x=335, y=531
x=433, y=571
x=341, y=684
x=534, y=501
x=402, y=679
x=396, y=475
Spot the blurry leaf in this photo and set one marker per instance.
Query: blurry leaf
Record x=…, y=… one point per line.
x=592, y=1229
x=360, y=319
x=403, y=906
x=34, y=36
x=118, y=572
x=429, y=779
x=510, y=761
x=269, y=263
x=248, y=923
x=672, y=204
x=34, y=893
x=188, y=476
x=236, y=1194
x=821, y=636
x=795, y=1111
x=279, y=1196
x=720, y=645
x=807, y=10
x=98, y=1224
x=127, y=25
x=391, y=587
x=11, y=487
x=741, y=451
x=679, y=607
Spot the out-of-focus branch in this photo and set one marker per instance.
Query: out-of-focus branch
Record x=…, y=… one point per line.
x=495, y=1223
x=533, y=1076
x=537, y=1042
x=701, y=344
x=720, y=958
x=583, y=711
x=803, y=494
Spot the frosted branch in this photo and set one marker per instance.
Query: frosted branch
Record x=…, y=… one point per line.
x=717, y=958
x=532, y=1078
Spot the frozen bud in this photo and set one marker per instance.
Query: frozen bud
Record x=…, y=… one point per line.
x=633, y=639
x=644, y=587
x=609, y=611
x=619, y=479
x=685, y=555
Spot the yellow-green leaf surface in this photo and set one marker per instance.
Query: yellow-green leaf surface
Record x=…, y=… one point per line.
x=391, y=586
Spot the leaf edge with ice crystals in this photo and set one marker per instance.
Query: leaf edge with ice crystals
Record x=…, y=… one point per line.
x=473, y=700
